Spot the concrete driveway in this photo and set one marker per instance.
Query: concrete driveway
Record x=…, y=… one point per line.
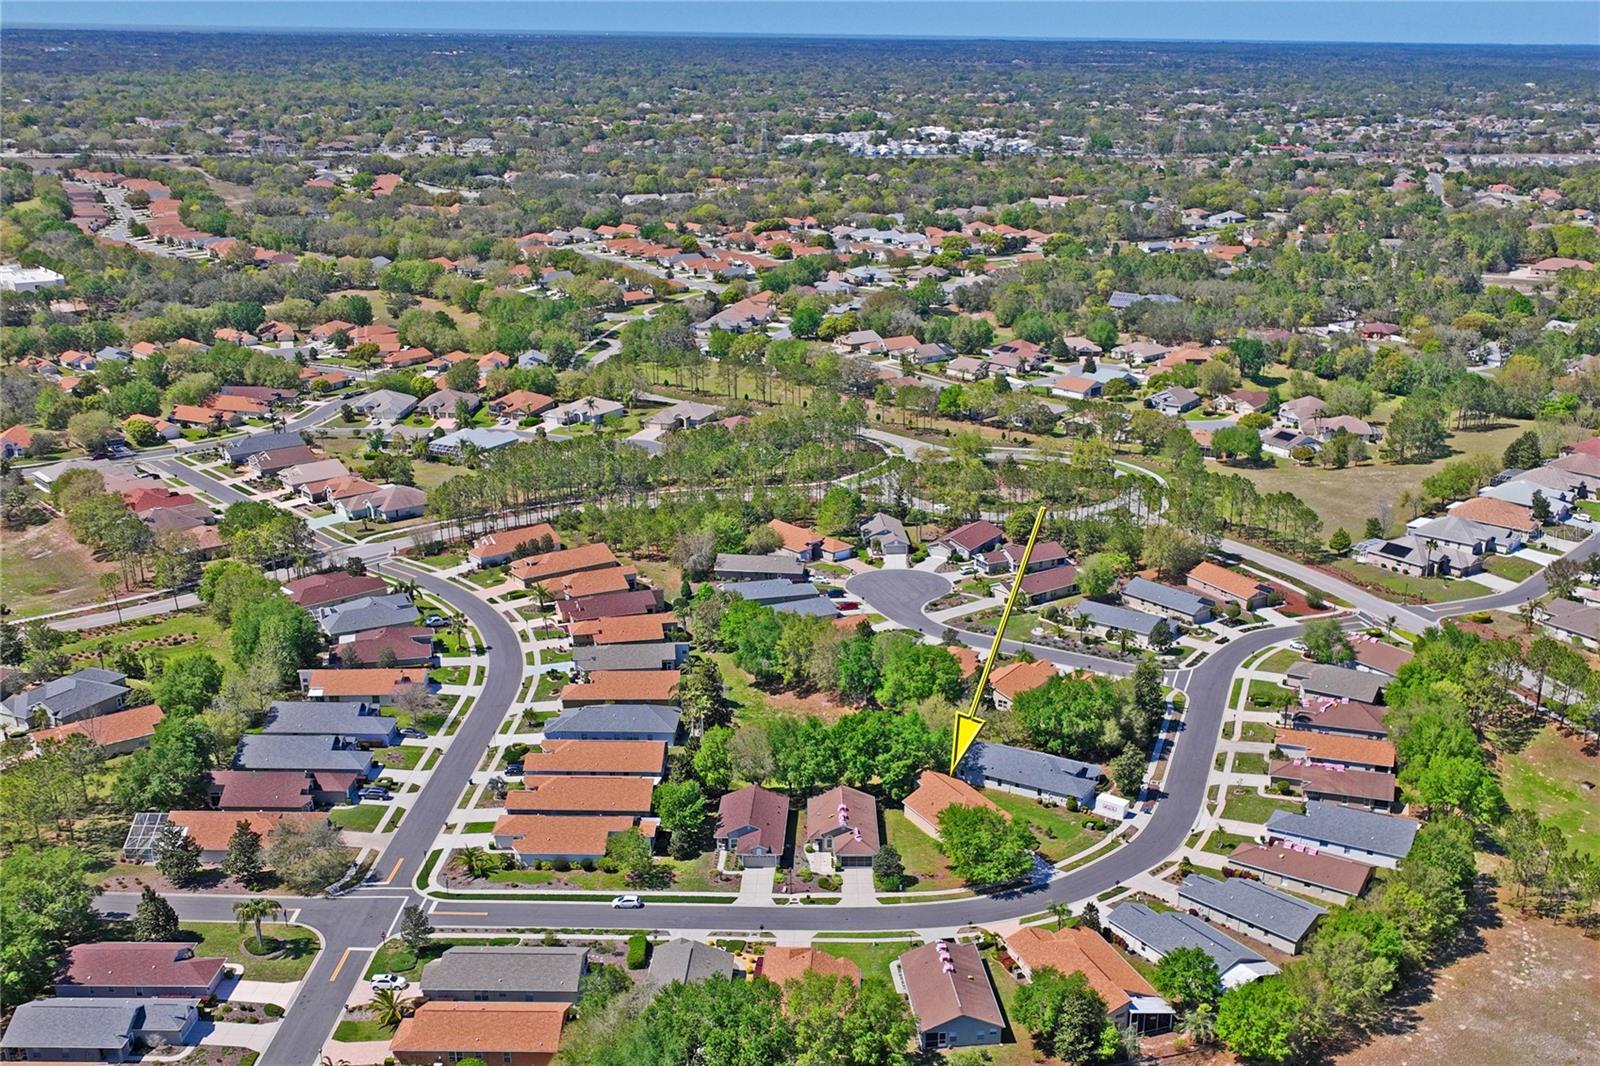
x=236, y=1034
x=236, y=990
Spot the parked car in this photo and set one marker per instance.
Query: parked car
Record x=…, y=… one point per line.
x=413, y=732
x=434, y=621
x=374, y=793
x=388, y=981
x=514, y=770
x=623, y=903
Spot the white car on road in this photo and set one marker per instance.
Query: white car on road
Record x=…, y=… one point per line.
x=626, y=902
x=388, y=982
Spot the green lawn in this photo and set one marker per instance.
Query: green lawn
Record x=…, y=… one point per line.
x=1222, y=843
x=688, y=875
x=1248, y=762
x=213, y=939
x=1248, y=805
x=1264, y=694
x=1510, y=567
x=1426, y=589
x=360, y=817
x=1279, y=661
x=925, y=863
x=1257, y=732
x=1060, y=831
x=176, y=634
x=1546, y=777
x=400, y=757
x=873, y=958
x=449, y=675
x=395, y=957
x=356, y=1030
x=446, y=559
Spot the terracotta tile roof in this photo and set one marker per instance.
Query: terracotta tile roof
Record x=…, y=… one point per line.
x=609, y=605
x=795, y=538
x=1221, y=578
x=362, y=682
x=608, y=757
x=1080, y=950
x=624, y=686
x=137, y=965
x=1382, y=657
x=1493, y=512
x=936, y=791
x=443, y=1027
x=1013, y=679
x=591, y=583
x=563, y=794
x=631, y=629
x=537, y=568
x=211, y=829
x=964, y=655
x=567, y=834
x=505, y=541
x=1335, y=747
x=938, y=997
x=780, y=965
x=118, y=727
x=1326, y=871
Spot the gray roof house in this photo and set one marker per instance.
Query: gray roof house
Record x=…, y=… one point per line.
x=688, y=960
x=368, y=612
x=1339, y=682
x=442, y=404
x=506, y=974
x=1464, y=534
x=1375, y=839
x=385, y=405
x=1151, y=935
x=1174, y=401
x=1110, y=617
x=771, y=591
x=290, y=751
x=734, y=567
x=1521, y=493
x=1029, y=773
x=353, y=721
x=84, y=694
x=666, y=655
x=1169, y=601
x=239, y=449
x=1272, y=917
x=484, y=440
x=97, y=1030
x=684, y=415
x=887, y=534
x=615, y=721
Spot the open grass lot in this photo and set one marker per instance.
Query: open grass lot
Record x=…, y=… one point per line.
x=1060, y=831
x=1248, y=762
x=1511, y=567
x=1279, y=661
x=1223, y=843
x=166, y=637
x=1257, y=732
x=1248, y=805
x=698, y=874
x=299, y=948
x=752, y=704
x=395, y=957
x=42, y=570
x=360, y=817
x=1475, y=1008
x=925, y=863
x=1547, y=776
x=1348, y=497
x=1423, y=589
x=873, y=958
x=400, y=757
x=354, y=1030
x=1264, y=695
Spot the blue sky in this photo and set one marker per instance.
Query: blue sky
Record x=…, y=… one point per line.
x=1508, y=22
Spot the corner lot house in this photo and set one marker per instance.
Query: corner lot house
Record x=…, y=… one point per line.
x=138, y=969
x=1151, y=935
x=951, y=997
x=1375, y=839
x=1275, y=918
x=557, y=837
x=1035, y=774
x=513, y=1034
x=493, y=549
x=1130, y=1000
x=506, y=974
x=753, y=824
x=1179, y=605
x=97, y=1030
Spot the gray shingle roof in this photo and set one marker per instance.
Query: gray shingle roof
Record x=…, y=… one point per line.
x=550, y=970
x=386, y=404
x=733, y=563
x=1164, y=932
x=1343, y=683
x=67, y=697
x=629, y=656
x=369, y=612
x=1168, y=596
x=74, y=1024
x=1036, y=770
x=772, y=591
x=237, y=451
x=1110, y=616
x=688, y=960
x=260, y=751
x=329, y=719
x=1330, y=823
x=643, y=719
x=1251, y=901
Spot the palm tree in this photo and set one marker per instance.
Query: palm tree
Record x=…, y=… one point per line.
x=254, y=912
x=1200, y=1024
x=477, y=862
x=1061, y=912
x=389, y=1009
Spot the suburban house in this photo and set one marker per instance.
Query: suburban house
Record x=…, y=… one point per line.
x=781, y=965
x=590, y=410
x=753, y=824
x=1111, y=619
x=602, y=758
x=615, y=721
x=1375, y=839
x=138, y=969
x=506, y=973
x=1326, y=715
x=608, y=605
x=1301, y=409
x=564, y=838
x=1042, y=586
x=1569, y=620
x=319, y=591
x=1462, y=536
x=521, y=403
x=511, y=1034
x=1420, y=557
x=631, y=629
x=842, y=823
x=807, y=545
x=501, y=546
x=317, y=753
x=971, y=539
x=1513, y=523
x=1013, y=679
x=1283, y=442
x=790, y=597
x=1337, y=682
x=667, y=655
x=886, y=534
x=1047, y=554
x=82, y=694
x=1325, y=429
x=116, y=733
x=1246, y=401
x=1076, y=387
x=1308, y=873
x=1334, y=783
x=385, y=405
x=687, y=414
x=546, y=567
x=359, y=722
x=1174, y=401
x=734, y=567
x=1378, y=657
x=481, y=441
x=79, y=1029
x=211, y=830
x=367, y=612
x=1275, y=918
x=685, y=960
x=390, y=646
x=1130, y=999
x=581, y=795
x=622, y=686
x=266, y=463
x=1524, y=493
x=264, y=790
x=386, y=503
x=1228, y=586
x=1035, y=774
x=1153, y=934
x=935, y=792
x=1360, y=753
x=444, y=403
x=950, y=994
x=1167, y=601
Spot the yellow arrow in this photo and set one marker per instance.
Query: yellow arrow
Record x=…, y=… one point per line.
x=968, y=723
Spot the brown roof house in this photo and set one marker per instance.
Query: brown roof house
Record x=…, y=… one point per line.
x=841, y=828
x=137, y=970
x=935, y=792
x=950, y=994
x=501, y=546
x=555, y=837
x=1130, y=1000
x=971, y=539
x=1304, y=871
x=1013, y=679
x=753, y=824
x=781, y=965
x=1220, y=584
x=512, y=1034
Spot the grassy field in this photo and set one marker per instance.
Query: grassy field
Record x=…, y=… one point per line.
x=360, y=817
x=1248, y=762
x=1248, y=805
x=1268, y=696
x=355, y=1030
x=1347, y=498
x=1257, y=732
x=874, y=959
x=42, y=569
x=1279, y=661
x=1510, y=567
x=688, y=875
x=925, y=863
x=1060, y=831
x=176, y=634
x=1223, y=843
x=1546, y=777
x=395, y=957
x=213, y=939
x=1425, y=589
x=400, y=757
